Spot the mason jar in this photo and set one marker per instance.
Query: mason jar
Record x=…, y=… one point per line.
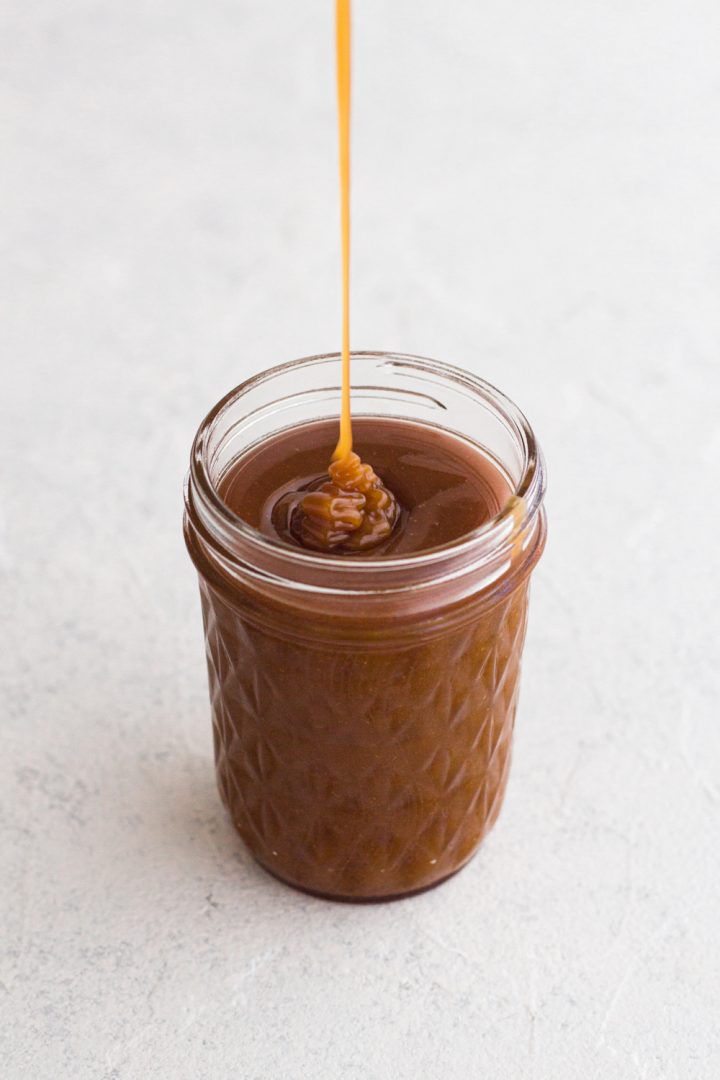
x=363, y=709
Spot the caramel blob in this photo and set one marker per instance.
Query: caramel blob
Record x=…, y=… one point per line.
x=352, y=511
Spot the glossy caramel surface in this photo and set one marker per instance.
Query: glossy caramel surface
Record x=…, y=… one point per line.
x=444, y=486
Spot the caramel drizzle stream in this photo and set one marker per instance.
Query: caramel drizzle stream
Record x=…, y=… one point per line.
x=344, y=445
x=351, y=510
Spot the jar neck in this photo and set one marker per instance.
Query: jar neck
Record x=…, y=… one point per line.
x=482, y=565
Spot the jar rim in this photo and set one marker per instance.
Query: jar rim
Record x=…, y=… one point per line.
x=499, y=531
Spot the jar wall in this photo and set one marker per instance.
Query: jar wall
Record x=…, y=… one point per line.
x=357, y=780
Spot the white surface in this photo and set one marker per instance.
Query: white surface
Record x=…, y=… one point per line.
x=536, y=197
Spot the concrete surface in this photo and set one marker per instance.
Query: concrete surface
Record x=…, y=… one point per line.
x=536, y=197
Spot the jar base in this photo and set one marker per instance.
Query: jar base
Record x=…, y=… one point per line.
x=340, y=899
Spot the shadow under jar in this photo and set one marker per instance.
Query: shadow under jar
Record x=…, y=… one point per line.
x=363, y=708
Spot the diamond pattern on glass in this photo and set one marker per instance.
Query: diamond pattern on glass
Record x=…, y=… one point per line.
x=363, y=780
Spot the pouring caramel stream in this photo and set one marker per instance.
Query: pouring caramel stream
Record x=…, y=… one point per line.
x=350, y=509
x=343, y=46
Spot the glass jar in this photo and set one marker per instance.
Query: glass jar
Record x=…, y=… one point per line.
x=363, y=709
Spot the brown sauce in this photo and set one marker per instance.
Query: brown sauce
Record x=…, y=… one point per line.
x=364, y=757
x=445, y=486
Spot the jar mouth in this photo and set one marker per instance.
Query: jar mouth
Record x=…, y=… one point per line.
x=515, y=520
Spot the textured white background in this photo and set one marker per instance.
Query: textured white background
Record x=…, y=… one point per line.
x=536, y=197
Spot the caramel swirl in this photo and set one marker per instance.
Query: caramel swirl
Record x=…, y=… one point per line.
x=351, y=511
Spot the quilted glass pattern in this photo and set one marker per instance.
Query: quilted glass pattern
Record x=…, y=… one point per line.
x=363, y=773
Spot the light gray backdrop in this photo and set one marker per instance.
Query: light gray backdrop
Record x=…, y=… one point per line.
x=535, y=197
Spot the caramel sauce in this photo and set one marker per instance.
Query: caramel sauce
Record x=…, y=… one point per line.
x=445, y=488
x=351, y=510
x=343, y=47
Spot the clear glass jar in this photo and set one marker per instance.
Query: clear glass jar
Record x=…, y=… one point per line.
x=363, y=709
